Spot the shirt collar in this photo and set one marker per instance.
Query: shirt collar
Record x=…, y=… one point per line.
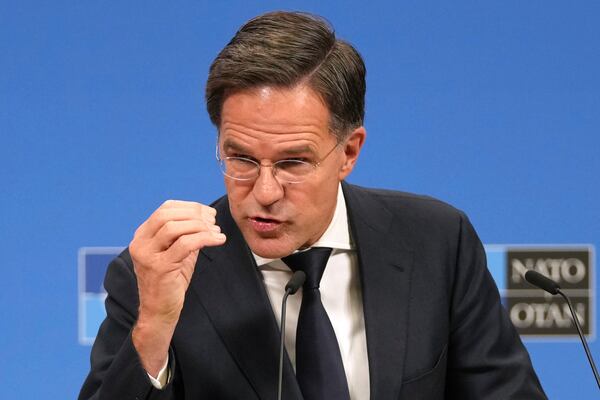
x=336, y=236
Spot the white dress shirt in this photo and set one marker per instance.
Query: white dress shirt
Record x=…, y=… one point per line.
x=341, y=296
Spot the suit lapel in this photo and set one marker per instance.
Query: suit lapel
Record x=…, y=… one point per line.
x=385, y=269
x=230, y=288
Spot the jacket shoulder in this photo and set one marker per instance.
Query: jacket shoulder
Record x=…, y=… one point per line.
x=405, y=204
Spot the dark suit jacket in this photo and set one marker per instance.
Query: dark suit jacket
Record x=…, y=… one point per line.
x=434, y=323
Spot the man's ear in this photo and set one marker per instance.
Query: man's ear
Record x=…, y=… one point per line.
x=351, y=148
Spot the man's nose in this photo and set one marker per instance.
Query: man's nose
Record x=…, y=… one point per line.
x=267, y=190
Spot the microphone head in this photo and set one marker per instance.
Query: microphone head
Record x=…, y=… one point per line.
x=295, y=282
x=541, y=281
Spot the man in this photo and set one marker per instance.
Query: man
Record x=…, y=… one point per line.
x=193, y=304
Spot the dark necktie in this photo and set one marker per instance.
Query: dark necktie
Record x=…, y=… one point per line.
x=319, y=368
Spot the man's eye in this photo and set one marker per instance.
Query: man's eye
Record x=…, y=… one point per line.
x=293, y=165
x=296, y=160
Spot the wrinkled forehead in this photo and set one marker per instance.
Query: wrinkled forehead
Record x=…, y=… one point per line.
x=279, y=114
x=266, y=100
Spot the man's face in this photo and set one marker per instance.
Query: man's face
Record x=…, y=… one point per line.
x=268, y=125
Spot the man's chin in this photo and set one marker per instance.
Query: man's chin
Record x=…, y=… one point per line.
x=271, y=247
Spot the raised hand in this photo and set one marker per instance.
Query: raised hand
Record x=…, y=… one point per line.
x=164, y=251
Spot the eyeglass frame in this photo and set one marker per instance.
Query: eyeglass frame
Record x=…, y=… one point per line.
x=273, y=167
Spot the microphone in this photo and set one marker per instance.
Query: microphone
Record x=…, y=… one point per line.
x=547, y=284
x=295, y=283
x=542, y=282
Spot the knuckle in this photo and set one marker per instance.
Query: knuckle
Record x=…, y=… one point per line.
x=161, y=220
x=209, y=216
x=208, y=210
x=187, y=242
x=160, y=216
x=135, y=249
x=169, y=228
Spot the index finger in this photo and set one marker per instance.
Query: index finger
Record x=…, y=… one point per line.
x=175, y=210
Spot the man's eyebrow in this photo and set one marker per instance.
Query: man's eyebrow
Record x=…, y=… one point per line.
x=230, y=145
x=294, y=151
x=233, y=146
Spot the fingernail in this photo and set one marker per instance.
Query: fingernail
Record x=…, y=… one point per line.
x=215, y=228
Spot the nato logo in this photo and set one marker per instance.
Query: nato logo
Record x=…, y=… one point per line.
x=535, y=313
x=92, y=265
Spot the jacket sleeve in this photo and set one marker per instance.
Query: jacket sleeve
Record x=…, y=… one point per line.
x=486, y=358
x=116, y=370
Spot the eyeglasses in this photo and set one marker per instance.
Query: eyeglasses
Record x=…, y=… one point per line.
x=285, y=171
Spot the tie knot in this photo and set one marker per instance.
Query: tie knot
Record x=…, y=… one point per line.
x=312, y=262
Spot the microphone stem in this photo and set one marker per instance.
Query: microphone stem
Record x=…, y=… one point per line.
x=580, y=331
x=282, y=339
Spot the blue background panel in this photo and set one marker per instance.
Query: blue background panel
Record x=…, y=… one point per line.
x=92, y=315
x=95, y=268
